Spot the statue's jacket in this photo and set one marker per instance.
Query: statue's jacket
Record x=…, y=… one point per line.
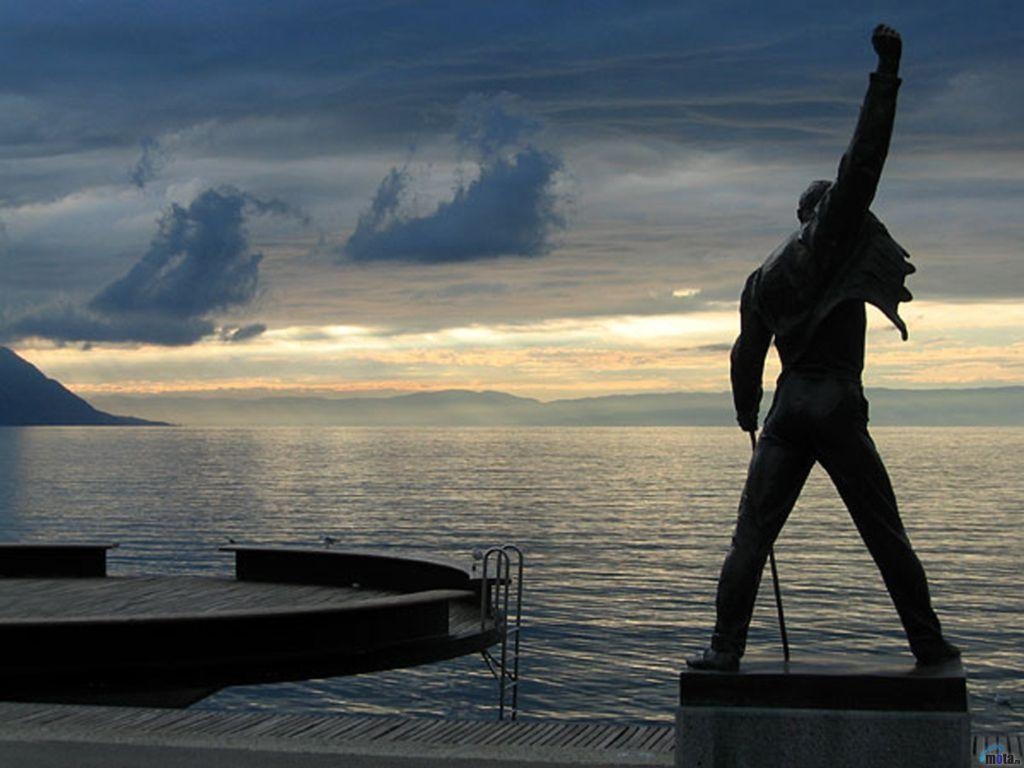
x=842, y=254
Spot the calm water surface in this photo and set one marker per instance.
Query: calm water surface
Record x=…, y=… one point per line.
x=623, y=529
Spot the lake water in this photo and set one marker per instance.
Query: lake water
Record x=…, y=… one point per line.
x=623, y=530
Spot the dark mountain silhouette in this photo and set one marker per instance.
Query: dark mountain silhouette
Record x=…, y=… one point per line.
x=1000, y=406
x=29, y=398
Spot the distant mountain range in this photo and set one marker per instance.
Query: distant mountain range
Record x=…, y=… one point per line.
x=29, y=398
x=461, y=408
x=937, y=407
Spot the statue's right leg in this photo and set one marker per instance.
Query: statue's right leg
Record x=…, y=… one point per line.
x=853, y=463
x=778, y=471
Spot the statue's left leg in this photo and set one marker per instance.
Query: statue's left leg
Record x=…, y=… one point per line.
x=776, y=475
x=852, y=461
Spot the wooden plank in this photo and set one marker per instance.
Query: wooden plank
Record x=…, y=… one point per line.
x=563, y=735
x=430, y=732
x=625, y=735
x=244, y=725
x=614, y=734
x=655, y=734
x=537, y=733
x=348, y=728
x=481, y=732
x=142, y=595
x=453, y=733
x=172, y=721
x=666, y=742
x=364, y=731
x=32, y=716
x=304, y=731
x=485, y=730
x=644, y=735
x=234, y=723
x=138, y=719
x=587, y=734
x=380, y=729
x=605, y=733
x=284, y=725
x=72, y=716
x=404, y=727
x=590, y=733
x=322, y=725
x=519, y=733
x=557, y=736
x=500, y=731
x=203, y=722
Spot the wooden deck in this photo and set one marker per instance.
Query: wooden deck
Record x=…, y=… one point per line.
x=588, y=742
x=148, y=596
x=290, y=614
x=138, y=597
x=539, y=741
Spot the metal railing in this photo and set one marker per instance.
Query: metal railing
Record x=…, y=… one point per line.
x=501, y=601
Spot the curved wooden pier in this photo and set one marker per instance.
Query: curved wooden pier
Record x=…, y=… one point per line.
x=72, y=634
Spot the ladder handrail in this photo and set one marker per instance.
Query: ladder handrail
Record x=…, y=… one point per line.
x=511, y=548
x=495, y=603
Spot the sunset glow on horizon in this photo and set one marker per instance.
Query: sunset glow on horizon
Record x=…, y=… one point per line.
x=560, y=358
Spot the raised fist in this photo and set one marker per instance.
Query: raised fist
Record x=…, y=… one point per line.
x=887, y=44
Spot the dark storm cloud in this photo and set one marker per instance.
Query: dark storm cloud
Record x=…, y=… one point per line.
x=197, y=264
x=152, y=158
x=510, y=209
x=314, y=77
x=69, y=323
x=490, y=125
x=102, y=73
x=239, y=93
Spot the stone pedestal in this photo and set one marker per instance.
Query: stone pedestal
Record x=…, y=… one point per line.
x=833, y=712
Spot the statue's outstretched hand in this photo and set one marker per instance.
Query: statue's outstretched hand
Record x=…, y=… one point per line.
x=889, y=46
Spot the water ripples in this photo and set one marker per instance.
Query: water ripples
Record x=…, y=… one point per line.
x=624, y=532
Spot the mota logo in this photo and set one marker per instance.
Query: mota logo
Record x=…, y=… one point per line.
x=997, y=755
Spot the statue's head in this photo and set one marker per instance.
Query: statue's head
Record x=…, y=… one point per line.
x=809, y=199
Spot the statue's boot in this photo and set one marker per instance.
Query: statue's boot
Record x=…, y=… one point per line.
x=715, y=661
x=939, y=653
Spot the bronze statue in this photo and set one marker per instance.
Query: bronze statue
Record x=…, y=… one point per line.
x=810, y=296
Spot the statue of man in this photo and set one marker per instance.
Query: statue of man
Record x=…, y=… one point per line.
x=810, y=296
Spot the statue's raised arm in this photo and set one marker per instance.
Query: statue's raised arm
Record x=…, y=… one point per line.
x=833, y=220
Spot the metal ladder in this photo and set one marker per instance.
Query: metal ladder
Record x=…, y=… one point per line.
x=501, y=600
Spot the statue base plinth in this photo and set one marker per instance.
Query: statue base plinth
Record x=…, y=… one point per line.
x=836, y=712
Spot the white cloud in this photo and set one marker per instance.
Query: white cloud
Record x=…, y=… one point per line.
x=685, y=293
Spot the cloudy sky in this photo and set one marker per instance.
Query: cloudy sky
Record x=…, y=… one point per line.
x=547, y=198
